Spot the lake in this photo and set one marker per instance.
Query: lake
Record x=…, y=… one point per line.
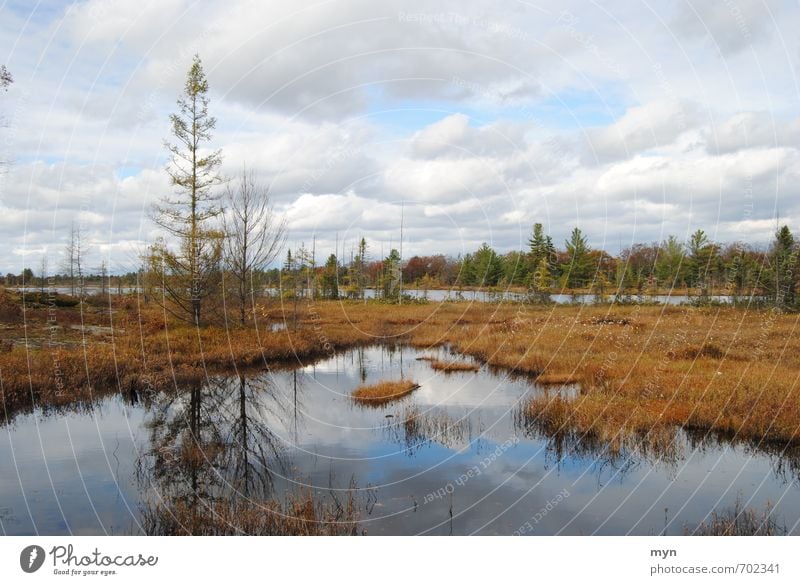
x=440, y=295
x=456, y=456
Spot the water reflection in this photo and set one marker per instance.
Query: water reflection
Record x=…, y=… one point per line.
x=417, y=428
x=660, y=447
x=285, y=451
x=212, y=443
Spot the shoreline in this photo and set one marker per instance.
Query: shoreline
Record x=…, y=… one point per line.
x=637, y=366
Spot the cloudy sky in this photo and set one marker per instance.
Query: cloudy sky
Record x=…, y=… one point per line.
x=631, y=120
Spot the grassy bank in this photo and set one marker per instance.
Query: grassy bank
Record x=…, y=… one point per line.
x=639, y=367
x=384, y=392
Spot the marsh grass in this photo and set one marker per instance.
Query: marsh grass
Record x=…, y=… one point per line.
x=383, y=392
x=719, y=369
x=454, y=366
x=739, y=521
x=557, y=379
x=301, y=514
x=433, y=426
x=555, y=419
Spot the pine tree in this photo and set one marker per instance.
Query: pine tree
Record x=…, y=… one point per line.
x=187, y=214
x=488, y=266
x=783, y=260
x=330, y=278
x=579, y=270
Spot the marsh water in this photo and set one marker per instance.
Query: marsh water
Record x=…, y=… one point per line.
x=456, y=456
x=492, y=296
x=488, y=296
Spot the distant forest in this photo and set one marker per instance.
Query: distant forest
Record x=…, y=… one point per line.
x=699, y=265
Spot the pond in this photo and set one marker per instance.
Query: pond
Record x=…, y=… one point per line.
x=456, y=456
x=439, y=295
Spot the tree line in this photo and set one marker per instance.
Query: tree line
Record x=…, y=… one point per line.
x=222, y=237
x=698, y=266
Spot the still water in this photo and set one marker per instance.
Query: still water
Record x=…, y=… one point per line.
x=454, y=457
x=439, y=295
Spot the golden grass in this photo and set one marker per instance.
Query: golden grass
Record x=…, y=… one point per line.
x=454, y=366
x=383, y=392
x=422, y=427
x=718, y=369
x=739, y=521
x=301, y=514
x=557, y=379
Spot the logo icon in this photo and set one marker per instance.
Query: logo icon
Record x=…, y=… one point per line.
x=31, y=558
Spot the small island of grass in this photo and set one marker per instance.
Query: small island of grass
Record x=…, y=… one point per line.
x=383, y=392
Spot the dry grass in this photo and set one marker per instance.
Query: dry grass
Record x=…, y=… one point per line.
x=454, y=366
x=384, y=392
x=302, y=514
x=739, y=521
x=724, y=370
x=557, y=379
x=424, y=427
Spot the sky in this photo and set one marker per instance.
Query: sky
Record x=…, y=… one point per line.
x=466, y=121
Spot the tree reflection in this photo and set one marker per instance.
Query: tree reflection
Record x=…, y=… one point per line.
x=214, y=457
x=616, y=455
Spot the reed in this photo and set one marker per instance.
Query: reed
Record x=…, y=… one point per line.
x=383, y=392
x=300, y=514
x=739, y=521
x=557, y=379
x=454, y=366
x=720, y=369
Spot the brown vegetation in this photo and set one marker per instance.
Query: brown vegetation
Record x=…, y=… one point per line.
x=717, y=369
x=556, y=379
x=300, y=514
x=383, y=392
x=454, y=366
x=739, y=521
x=422, y=427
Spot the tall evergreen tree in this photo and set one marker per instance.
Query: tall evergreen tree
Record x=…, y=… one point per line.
x=192, y=271
x=701, y=256
x=330, y=278
x=488, y=266
x=783, y=260
x=671, y=263
x=579, y=270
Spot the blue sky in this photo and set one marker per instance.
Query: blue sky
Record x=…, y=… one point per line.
x=630, y=120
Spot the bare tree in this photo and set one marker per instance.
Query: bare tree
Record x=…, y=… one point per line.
x=187, y=215
x=103, y=277
x=74, y=259
x=43, y=274
x=254, y=235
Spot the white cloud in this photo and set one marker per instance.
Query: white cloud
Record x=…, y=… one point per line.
x=641, y=128
x=729, y=26
x=475, y=122
x=746, y=130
